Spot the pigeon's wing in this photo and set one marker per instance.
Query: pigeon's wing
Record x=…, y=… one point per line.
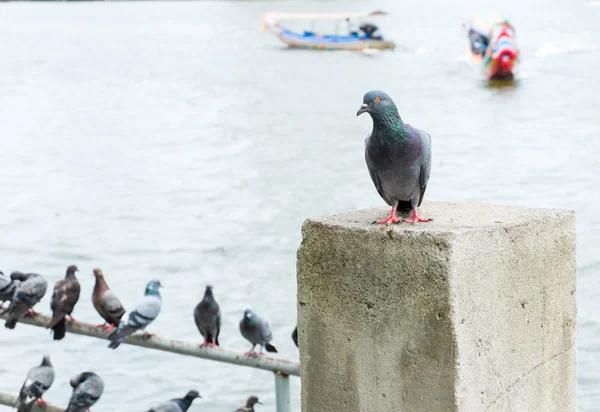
x=112, y=305
x=144, y=313
x=218, y=327
x=425, y=171
x=265, y=331
x=373, y=173
x=42, y=378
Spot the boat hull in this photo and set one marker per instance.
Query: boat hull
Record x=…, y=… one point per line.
x=333, y=42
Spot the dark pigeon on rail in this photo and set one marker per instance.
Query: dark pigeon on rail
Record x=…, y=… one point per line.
x=8, y=285
x=207, y=317
x=398, y=157
x=177, y=404
x=65, y=296
x=253, y=400
x=106, y=303
x=39, y=379
x=256, y=330
x=27, y=294
x=140, y=316
x=87, y=389
x=295, y=336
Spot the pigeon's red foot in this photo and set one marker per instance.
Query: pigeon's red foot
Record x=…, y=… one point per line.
x=212, y=344
x=204, y=344
x=109, y=327
x=41, y=402
x=252, y=354
x=70, y=319
x=147, y=335
x=31, y=313
x=102, y=325
x=416, y=218
x=390, y=220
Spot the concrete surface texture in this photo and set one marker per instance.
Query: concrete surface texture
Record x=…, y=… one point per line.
x=472, y=312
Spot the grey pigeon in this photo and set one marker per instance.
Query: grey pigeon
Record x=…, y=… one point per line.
x=256, y=330
x=65, y=296
x=398, y=157
x=177, y=404
x=8, y=287
x=295, y=336
x=140, y=316
x=105, y=301
x=207, y=317
x=253, y=400
x=87, y=389
x=29, y=292
x=39, y=379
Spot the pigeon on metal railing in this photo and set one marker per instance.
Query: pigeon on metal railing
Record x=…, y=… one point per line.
x=253, y=400
x=177, y=404
x=106, y=303
x=398, y=157
x=39, y=379
x=65, y=296
x=207, y=317
x=256, y=330
x=140, y=316
x=29, y=292
x=87, y=389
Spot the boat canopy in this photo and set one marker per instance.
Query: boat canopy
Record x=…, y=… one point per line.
x=272, y=18
x=484, y=21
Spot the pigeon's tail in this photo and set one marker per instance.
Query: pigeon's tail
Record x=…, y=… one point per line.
x=60, y=329
x=118, y=336
x=270, y=348
x=25, y=407
x=56, y=319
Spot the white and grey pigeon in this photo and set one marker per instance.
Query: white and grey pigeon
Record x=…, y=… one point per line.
x=29, y=292
x=87, y=389
x=177, y=404
x=140, y=316
x=8, y=285
x=39, y=379
x=256, y=330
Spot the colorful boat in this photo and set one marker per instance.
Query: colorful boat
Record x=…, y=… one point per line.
x=492, y=45
x=365, y=38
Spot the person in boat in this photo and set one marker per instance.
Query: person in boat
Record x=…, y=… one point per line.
x=371, y=31
x=479, y=41
x=351, y=27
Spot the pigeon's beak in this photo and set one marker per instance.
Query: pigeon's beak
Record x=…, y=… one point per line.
x=259, y=402
x=363, y=108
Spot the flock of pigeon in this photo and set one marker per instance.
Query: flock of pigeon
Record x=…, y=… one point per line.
x=24, y=291
x=398, y=158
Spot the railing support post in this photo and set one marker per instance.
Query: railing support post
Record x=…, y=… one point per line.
x=282, y=392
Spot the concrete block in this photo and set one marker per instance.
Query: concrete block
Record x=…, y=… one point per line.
x=473, y=312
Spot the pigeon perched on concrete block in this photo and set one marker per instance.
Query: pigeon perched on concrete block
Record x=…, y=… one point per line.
x=87, y=389
x=253, y=400
x=106, y=303
x=177, y=404
x=64, y=298
x=140, y=316
x=8, y=285
x=398, y=157
x=207, y=317
x=27, y=294
x=256, y=330
x=39, y=379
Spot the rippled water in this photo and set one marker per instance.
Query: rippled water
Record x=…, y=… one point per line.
x=174, y=140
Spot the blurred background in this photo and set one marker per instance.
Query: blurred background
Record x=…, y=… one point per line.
x=174, y=140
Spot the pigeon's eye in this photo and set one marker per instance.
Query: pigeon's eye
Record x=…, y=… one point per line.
x=377, y=100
